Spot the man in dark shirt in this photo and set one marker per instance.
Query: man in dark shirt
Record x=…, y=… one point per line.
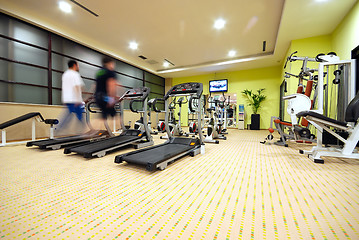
x=106, y=88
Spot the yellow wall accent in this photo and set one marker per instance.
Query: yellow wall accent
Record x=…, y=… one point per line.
x=346, y=36
x=268, y=78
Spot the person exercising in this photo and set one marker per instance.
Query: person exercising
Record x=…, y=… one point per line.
x=71, y=94
x=105, y=93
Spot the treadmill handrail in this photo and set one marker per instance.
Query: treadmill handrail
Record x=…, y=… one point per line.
x=181, y=90
x=135, y=93
x=154, y=107
x=21, y=119
x=132, y=108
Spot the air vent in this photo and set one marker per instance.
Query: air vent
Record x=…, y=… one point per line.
x=152, y=62
x=84, y=8
x=142, y=57
x=169, y=62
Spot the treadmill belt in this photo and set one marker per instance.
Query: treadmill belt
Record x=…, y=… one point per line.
x=157, y=154
x=47, y=142
x=104, y=144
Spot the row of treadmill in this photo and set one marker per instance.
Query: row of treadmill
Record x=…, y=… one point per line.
x=96, y=143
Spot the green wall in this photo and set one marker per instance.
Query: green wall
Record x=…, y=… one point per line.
x=346, y=35
x=268, y=78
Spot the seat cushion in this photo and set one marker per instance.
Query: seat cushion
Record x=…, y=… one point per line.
x=320, y=116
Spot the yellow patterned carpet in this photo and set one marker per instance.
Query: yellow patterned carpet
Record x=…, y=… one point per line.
x=240, y=189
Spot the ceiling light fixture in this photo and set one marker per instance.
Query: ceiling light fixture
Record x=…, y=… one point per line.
x=133, y=45
x=232, y=53
x=166, y=64
x=212, y=64
x=219, y=23
x=65, y=7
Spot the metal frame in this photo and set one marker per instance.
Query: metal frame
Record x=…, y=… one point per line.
x=317, y=151
x=33, y=133
x=348, y=151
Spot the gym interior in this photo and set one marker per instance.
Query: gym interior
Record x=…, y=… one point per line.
x=234, y=120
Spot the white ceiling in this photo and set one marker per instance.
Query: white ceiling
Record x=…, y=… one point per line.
x=182, y=31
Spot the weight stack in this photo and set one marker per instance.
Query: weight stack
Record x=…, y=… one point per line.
x=329, y=139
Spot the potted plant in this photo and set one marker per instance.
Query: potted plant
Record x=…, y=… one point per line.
x=255, y=100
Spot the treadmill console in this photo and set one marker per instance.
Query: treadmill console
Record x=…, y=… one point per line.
x=185, y=89
x=136, y=93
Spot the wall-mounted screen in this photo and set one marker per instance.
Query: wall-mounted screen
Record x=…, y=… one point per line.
x=218, y=85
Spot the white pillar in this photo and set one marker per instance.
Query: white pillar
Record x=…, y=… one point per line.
x=33, y=129
x=3, y=137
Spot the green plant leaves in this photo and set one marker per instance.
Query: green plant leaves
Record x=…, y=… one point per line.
x=254, y=99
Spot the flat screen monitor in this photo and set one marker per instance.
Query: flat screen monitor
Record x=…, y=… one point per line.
x=218, y=85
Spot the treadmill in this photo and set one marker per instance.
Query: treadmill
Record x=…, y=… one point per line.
x=61, y=142
x=137, y=138
x=158, y=157
x=57, y=143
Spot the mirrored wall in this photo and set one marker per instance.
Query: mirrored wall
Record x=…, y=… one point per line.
x=227, y=113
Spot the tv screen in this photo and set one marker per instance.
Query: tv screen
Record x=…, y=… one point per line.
x=218, y=85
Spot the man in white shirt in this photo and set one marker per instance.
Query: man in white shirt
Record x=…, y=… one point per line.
x=72, y=84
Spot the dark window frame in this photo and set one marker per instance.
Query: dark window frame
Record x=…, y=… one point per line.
x=50, y=68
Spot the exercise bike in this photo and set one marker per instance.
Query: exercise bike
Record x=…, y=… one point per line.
x=214, y=127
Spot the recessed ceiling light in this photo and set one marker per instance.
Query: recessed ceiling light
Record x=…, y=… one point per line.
x=133, y=45
x=65, y=6
x=232, y=53
x=219, y=23
x=166, y=64
x=322, y=0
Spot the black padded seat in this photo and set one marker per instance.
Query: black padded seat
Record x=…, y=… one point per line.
x=352, y=111
x=51, y=121
x=320, y=116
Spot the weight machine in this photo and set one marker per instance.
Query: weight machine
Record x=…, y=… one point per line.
x=320, y=120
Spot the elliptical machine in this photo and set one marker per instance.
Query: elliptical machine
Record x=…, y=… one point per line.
x=222, y=109
x=214, y=127
x=151, y=106
x=175, y=126
x=139, y=124
x=193, y=104
x=161, y=127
